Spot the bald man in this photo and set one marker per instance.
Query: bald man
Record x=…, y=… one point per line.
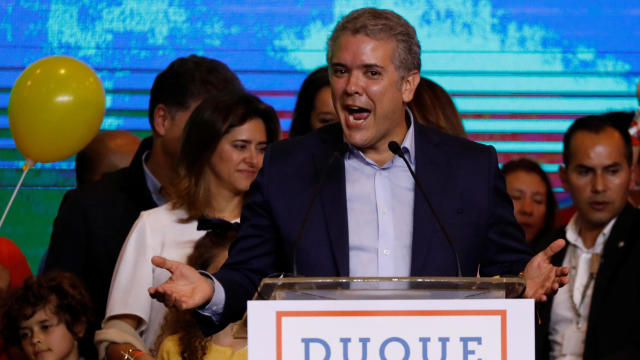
x=109, y=151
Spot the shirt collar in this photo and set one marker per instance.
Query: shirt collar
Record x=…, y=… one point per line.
x=573, y=234
x=152, y=183
x=407, y=146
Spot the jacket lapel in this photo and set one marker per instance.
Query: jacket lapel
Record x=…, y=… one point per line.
x=613, y=254
x=333, y=198
x=429, y=170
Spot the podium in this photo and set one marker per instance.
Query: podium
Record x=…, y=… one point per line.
x=391, y=318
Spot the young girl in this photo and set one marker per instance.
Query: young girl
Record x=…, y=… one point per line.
x=46, y=316
x=186, y=340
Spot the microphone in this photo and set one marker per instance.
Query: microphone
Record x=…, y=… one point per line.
x=339, y=152
x=395, y=148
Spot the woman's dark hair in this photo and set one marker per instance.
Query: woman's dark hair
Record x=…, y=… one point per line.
x=301, y=119
x=533, y=167
x=193, y=344
x=432, y=105
x=215, y=117
x=60, y=292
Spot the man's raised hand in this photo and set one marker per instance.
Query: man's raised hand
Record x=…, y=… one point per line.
x=185, y=289
x=543, y=279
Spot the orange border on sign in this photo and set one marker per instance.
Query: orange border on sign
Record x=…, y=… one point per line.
x=344, y=313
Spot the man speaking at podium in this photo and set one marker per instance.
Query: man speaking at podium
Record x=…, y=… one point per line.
x=323, y=208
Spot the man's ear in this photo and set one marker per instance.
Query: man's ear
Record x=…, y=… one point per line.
x=409, y=85
x=562, y=171
x=161, y=118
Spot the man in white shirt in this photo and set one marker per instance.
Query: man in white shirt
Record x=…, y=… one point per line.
x=596, y=315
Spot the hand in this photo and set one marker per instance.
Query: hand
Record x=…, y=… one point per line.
x=124, y=351
x=185, y=289
x=542, y=278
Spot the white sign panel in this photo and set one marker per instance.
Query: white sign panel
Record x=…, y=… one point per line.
x=391, y=329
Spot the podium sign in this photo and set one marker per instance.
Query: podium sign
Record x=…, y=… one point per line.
x=391, y=329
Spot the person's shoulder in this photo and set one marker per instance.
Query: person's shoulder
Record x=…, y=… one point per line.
x=329, y=134
x=629, y=221
x=123, y=180
x=442, y=138
x=632, y=212
x=300, y=148
x=126, y=185
x=163, y=214
x=451, y=144
x=112, y=182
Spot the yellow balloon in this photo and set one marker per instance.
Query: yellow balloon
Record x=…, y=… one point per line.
x=55, y=108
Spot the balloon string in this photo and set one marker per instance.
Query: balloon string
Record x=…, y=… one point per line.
x=28, y=165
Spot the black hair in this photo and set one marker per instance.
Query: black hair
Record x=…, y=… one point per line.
x=301, y=119
x=618, y=121
x=190, y=78
x=531, y=166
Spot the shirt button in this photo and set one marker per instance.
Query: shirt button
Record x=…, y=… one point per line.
x=387, y=252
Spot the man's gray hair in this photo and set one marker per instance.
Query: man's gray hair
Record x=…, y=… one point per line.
x=380, y=24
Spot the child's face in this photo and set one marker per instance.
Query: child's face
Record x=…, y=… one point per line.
x=45, y=337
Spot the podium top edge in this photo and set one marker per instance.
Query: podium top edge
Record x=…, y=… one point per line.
x=416, y=279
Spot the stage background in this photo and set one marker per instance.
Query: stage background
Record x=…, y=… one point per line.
x=519, y=71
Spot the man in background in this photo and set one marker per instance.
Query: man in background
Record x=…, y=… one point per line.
x=93, y=220
x=108, y=151
x=596, y=315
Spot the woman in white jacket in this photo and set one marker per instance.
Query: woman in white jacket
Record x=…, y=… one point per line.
x=225, y=141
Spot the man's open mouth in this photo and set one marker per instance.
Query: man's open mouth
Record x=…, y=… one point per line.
x=357, y=114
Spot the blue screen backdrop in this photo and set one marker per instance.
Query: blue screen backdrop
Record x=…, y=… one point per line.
x=519, y=71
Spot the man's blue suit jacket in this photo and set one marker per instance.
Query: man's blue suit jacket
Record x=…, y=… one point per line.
x=461, y=178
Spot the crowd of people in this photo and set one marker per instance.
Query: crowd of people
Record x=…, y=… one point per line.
x=157, y=250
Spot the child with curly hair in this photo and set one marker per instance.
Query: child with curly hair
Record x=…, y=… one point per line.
x=46, y=316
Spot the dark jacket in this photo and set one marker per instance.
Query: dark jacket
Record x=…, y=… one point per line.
x=613, y=327
x=92, y=224
x=460, y=176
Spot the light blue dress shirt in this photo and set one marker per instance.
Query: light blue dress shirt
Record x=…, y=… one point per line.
x=380, y=212
x=153, y=184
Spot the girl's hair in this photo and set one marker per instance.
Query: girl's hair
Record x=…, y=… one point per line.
x=301, y=119
x=193, y=345
x=210, y=121
x=60, y=292
x=432, y=105
x=528, y=165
